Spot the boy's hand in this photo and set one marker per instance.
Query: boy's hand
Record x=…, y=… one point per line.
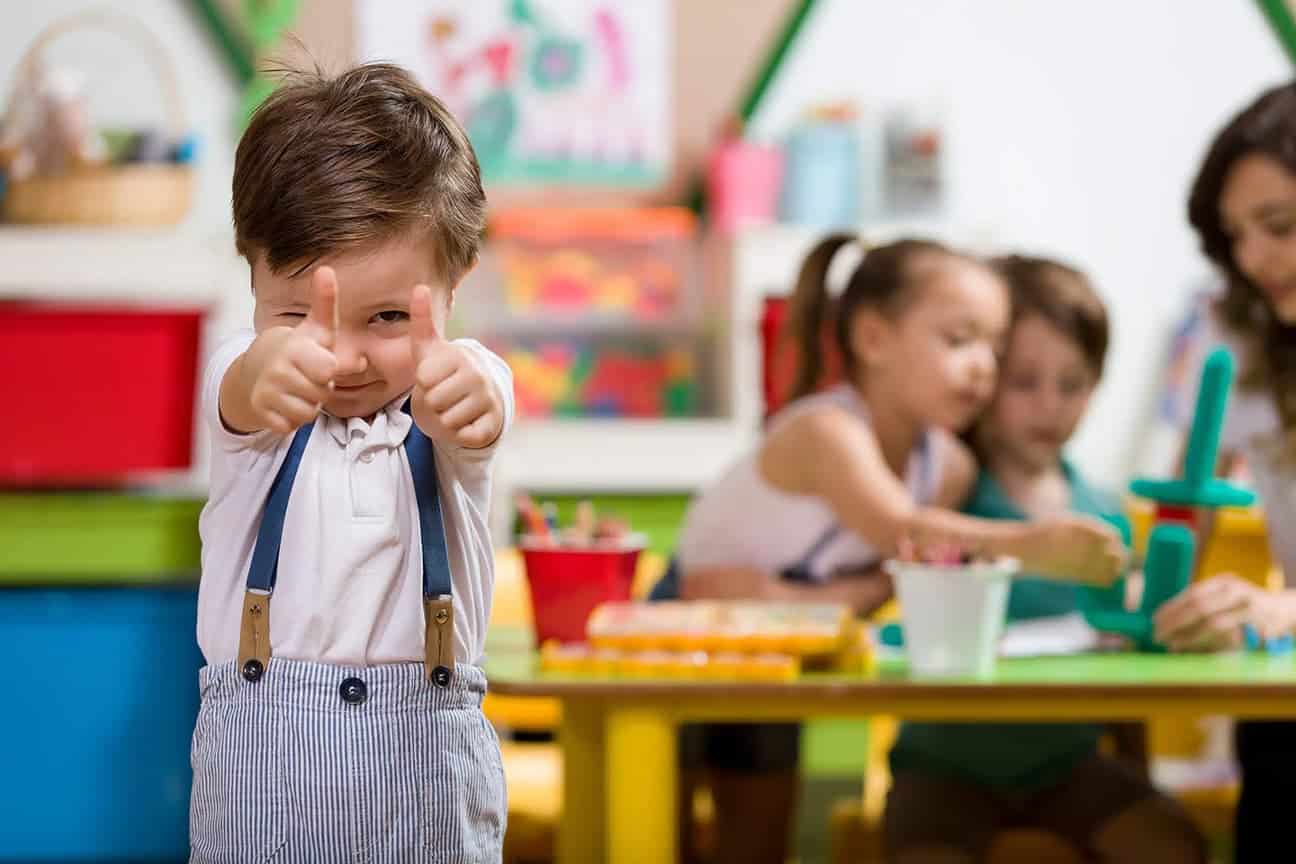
x=289, y=370
x=454, y=401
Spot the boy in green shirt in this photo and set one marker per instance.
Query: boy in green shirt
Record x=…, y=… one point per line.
x=955, y=786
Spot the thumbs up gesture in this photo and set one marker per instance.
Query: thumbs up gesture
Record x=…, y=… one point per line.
x=455, y=401
x=290, y=370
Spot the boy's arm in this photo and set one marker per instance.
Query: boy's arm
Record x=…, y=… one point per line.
x=237, y=413
x=225, y=434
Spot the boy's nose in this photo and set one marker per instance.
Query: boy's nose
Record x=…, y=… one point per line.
x=351, y=358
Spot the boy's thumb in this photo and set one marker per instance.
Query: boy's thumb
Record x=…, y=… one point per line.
x=423, y=330
x=324, y=305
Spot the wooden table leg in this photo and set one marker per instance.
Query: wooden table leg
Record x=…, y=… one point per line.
x=642, y=776
x=581, y=831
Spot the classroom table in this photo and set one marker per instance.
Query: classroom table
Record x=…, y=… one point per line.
x=618, y=735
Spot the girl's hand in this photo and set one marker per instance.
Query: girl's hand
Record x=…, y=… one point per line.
x=1209, y=616
x=1073, y=549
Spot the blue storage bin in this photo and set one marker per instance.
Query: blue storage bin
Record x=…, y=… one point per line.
x=821, y=176
x=102, y=687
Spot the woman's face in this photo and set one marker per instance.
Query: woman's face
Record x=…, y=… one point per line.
x=1258, y=212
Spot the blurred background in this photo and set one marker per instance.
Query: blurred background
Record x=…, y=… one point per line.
x=656, y=169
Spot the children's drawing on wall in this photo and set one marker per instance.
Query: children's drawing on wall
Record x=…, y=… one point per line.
x=575, y=91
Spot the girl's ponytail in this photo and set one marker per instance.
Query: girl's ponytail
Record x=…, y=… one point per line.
x=811, y=313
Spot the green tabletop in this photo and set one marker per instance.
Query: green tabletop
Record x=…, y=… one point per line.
x=1090, y=686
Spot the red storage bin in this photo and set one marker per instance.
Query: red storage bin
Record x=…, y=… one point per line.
x=567, y=584
x=780, y=355
x=95, y=393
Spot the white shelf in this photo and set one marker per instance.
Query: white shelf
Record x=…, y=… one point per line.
x=156, y=267
x=619, y=455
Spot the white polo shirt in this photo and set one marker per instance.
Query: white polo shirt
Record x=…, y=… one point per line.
x=350, y=583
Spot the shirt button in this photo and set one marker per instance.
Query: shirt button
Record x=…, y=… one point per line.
x=366, y=456
x=353, y=691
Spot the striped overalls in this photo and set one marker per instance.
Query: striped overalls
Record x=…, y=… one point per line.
x=296, y=761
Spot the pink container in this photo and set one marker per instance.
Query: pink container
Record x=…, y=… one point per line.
x=743, y=181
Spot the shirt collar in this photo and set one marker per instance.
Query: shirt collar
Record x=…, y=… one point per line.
x=389, y=427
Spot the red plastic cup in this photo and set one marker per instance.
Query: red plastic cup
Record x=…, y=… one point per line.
x=567, y=584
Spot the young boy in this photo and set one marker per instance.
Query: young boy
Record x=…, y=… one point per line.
x=347, y=566
x=955, y=786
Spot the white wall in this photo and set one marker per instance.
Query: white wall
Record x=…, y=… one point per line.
x=1074, y=129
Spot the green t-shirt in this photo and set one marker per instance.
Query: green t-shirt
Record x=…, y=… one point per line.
x=1000, y=754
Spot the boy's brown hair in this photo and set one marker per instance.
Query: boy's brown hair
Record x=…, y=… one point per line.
x=1063, y=297
x=332, y=163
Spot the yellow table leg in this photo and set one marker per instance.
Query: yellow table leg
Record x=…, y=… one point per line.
x=581, y=830
x=642, y=775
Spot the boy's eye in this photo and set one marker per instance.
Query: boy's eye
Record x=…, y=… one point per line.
x=1071, y=386
x=391, y=316
x=1279, y=229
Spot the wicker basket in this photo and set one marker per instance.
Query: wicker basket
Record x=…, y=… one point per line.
x=143, y=194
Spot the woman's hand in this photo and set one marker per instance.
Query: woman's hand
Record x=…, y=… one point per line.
x=1210, y=615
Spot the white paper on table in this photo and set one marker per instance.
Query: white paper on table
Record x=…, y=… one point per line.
x=1053, y=636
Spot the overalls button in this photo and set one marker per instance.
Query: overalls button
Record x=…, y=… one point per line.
x=252, y=670
x=353, y=691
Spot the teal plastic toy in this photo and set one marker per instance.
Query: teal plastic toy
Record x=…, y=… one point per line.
x=1167, y=571
x=1199, y=486
x=1172, y=546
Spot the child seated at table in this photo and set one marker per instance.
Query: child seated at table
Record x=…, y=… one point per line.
x=955, y=786
x=842, y=474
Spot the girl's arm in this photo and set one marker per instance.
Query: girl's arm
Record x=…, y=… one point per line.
x=862, y=593
x=831, y=455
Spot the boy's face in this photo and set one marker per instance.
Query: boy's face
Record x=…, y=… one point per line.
x=372, y=343
x=1044, y=390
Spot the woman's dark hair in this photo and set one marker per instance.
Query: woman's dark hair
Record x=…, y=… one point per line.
x=1063, y=297
x=1266, y=127
x=883, y=281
